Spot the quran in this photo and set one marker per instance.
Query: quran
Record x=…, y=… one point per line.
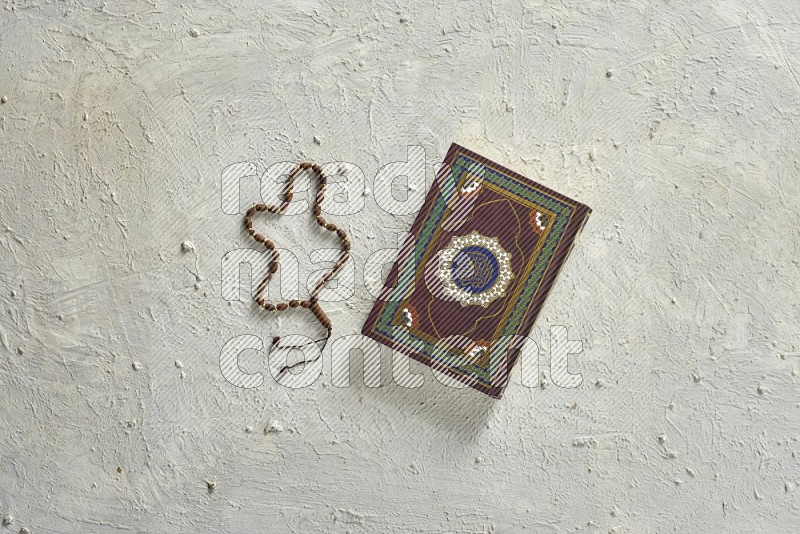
x=475, y=270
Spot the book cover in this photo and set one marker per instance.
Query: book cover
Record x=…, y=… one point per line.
x=480, y=260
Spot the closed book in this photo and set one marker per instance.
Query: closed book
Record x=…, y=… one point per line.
x=470, y=280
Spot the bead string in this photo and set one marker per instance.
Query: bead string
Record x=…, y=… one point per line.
x=313, y=301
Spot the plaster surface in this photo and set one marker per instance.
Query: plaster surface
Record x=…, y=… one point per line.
x=677, y=122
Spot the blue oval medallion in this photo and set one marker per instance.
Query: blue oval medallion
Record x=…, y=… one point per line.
x=475, y=269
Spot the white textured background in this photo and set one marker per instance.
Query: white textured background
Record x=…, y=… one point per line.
x=119, y=119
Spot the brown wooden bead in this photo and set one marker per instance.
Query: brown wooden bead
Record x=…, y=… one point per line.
x=269, y=307
x=331, y=227
x=341, y=233
x=294, y=303
x=288, y=197
x=305, y=304
x=320, y=221
x=269, y=244
x=273, y=268
x=281, y=306
x=346, y=244
x=321, y=316
x=317, y=211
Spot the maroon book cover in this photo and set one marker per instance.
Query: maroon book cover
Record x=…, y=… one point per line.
x=468, y=283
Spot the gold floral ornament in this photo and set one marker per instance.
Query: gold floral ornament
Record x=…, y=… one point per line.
x=475, y=269
x=478, y=351
x=409, y=316
x=471, y=188
x=538, y=221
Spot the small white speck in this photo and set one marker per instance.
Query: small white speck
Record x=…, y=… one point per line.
x=760, y=389
x=7, y=520
x=194, y=32
x=662, y=438
x=187, y=246
x=3, y=99
x=20, y=351
x=211, y=485
x=85, y=116
x=136, y=366
x=178, y=364
x=317, y=140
